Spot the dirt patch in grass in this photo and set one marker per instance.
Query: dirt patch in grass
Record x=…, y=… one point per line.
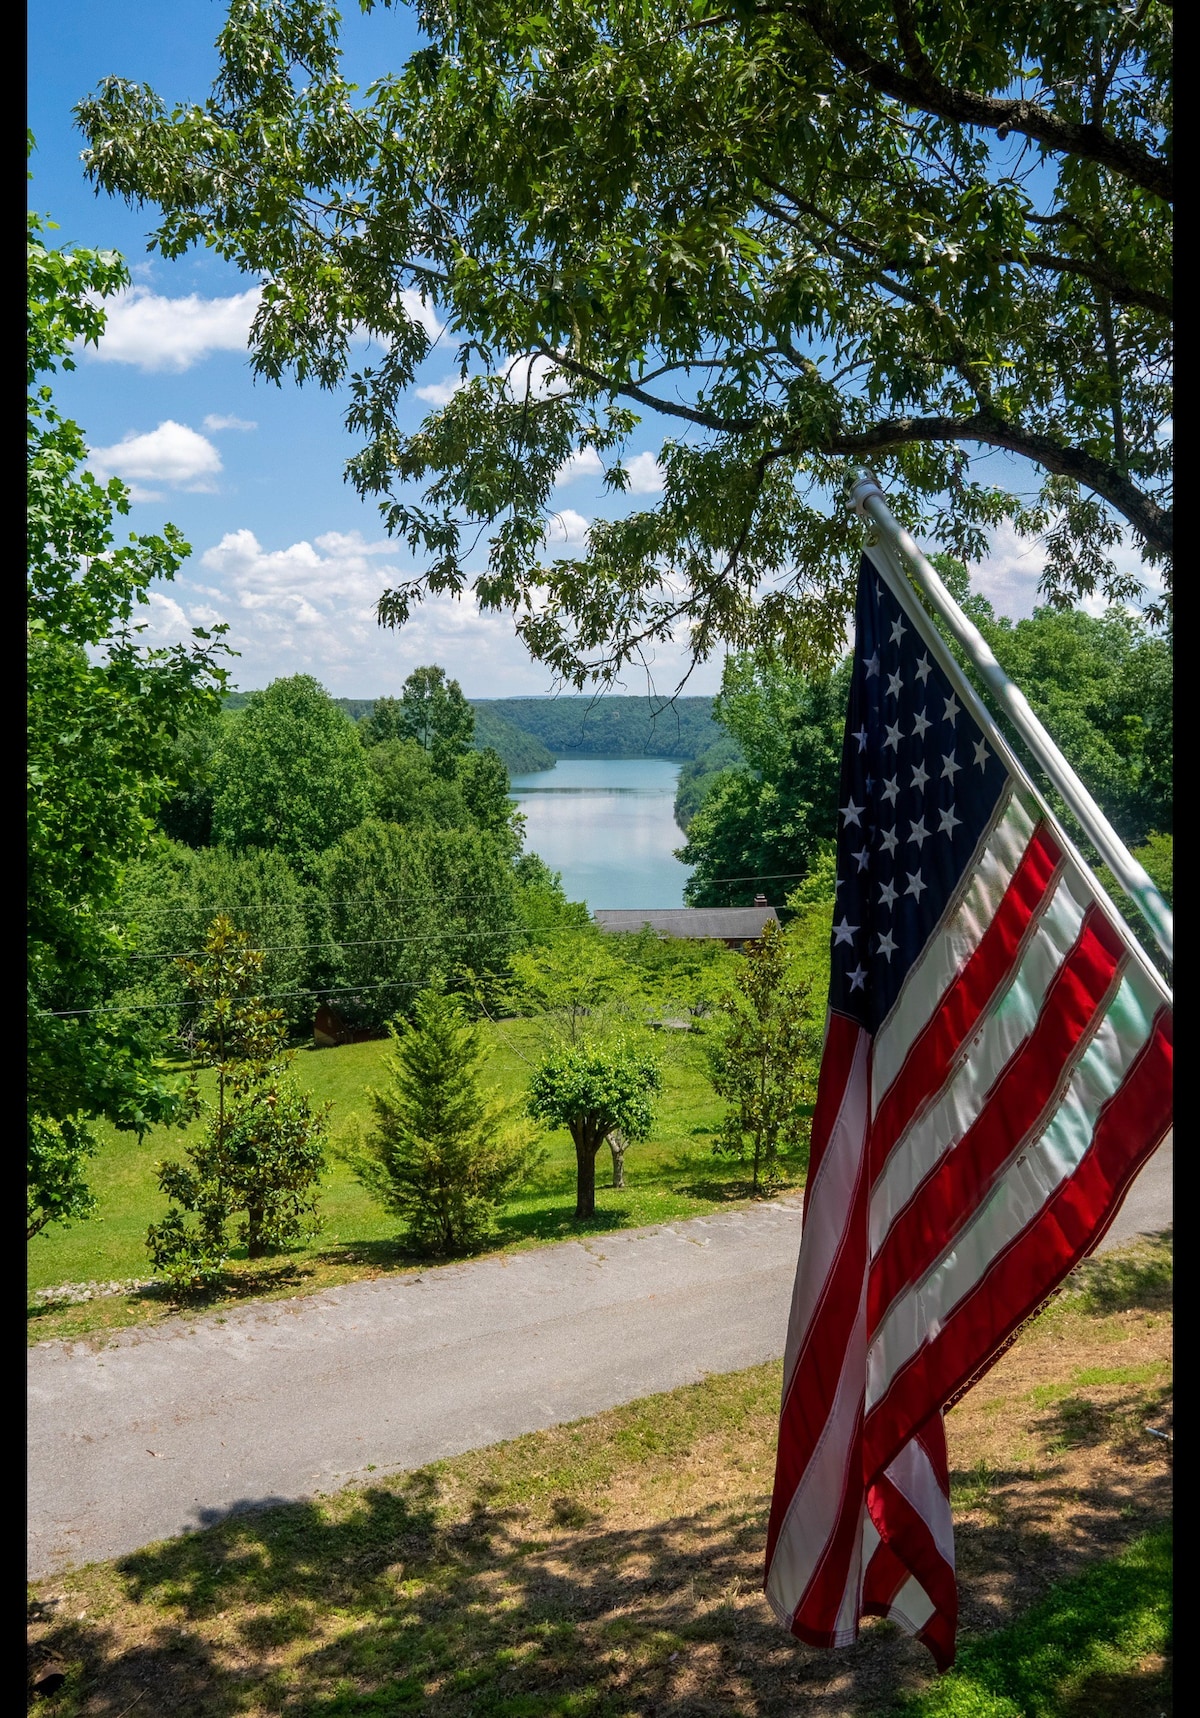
x=613, y=1567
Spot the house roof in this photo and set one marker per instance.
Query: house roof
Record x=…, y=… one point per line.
x=724, y=922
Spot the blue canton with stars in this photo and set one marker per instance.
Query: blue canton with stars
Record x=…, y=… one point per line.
x=919, y=786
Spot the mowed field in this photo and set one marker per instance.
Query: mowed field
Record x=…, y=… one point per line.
x=672, y=1175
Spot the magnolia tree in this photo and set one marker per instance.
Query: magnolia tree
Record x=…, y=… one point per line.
x=795, y=235
x=261, y=1153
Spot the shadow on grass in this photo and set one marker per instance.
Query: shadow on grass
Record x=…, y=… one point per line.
x=1095, y=1646
x=1134, y=1279
x=561, y=1224
x=378, y=1601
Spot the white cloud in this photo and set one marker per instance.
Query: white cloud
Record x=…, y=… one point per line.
x=216, y=422
x=419, y=309
x=440, y=393
x=584, y=463
x=158, y=333
x=172, y=454
x=1009, y=575
x=567, y=529
x=309, y=608
x=536, y=377
x=646, y=475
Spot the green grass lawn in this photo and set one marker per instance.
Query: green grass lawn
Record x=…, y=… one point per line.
x=612, y=1568
x=673, y=1175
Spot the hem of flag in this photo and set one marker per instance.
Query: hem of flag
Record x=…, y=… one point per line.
x=934, y=1638
x=934, y=1635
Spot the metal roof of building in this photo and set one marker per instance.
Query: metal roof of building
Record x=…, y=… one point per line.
x=723, y=922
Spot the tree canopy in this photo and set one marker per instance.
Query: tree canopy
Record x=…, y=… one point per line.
x=104, y=715
x=909, y=232
x=289, y=772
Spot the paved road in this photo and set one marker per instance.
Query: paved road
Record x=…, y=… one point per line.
x=177, y=1426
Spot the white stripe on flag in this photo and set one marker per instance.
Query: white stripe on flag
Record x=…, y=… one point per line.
x=912, y=1607
x=1011, y=1018
x=1041, y=1168
x=949, y=949
x=827, y=1204
x=816, y=1504
x=911, y=1472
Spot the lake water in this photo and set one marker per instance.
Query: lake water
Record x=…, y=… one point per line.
x=608, y=824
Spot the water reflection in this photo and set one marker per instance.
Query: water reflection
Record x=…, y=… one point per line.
x=608, y=824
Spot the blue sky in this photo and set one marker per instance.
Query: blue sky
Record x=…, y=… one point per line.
x=252, y=473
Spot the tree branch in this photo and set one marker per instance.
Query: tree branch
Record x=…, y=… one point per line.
x=920, y=87
x=1152, y=522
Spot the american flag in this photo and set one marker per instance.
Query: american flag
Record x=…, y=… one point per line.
x=996, y=1069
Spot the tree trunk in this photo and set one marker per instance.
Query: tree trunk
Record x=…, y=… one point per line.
x=616, y=1144
x=585, y=1173
x=256, y=1247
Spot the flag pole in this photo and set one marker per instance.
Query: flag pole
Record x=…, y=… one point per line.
x=869, y=502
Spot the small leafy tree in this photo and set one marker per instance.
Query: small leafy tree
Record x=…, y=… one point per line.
x=575, y=981
x=442, y=1155
x=594, y=1090
x=56, y=1189
x=262, y=1150
x=762, y=1063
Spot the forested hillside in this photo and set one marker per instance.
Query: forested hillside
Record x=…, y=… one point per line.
x=529, y=733
x=611, y=727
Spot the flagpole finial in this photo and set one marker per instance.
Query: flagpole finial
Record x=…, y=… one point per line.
x=862, y=485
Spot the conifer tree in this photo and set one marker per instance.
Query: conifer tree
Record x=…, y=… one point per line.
x=442, y=1154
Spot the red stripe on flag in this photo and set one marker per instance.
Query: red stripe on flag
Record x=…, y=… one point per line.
x=1065, y=1230
x=817, y=1613
x=935, y=1046
x=884, y=1577
x=837, y=1059
x=818, y=1369
x=950, y=1195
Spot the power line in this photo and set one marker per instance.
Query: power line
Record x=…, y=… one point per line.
x=369, y=942
x=267, y=996
x=351, y=901
x=416, y=900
